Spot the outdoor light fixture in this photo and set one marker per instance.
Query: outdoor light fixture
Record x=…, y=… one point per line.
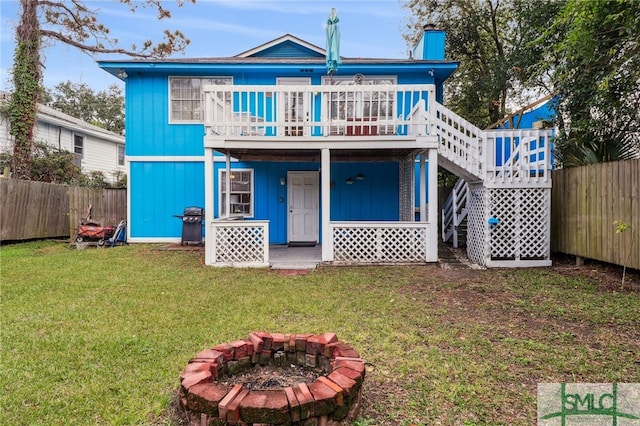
x=431, y=72
x=349, y=181
x=283, y=181
x=123, y=74
x=360, y=176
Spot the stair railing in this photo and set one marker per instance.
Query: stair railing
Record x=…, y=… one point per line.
x=454, y=212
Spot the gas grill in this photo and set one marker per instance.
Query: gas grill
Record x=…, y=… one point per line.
x=192, y=218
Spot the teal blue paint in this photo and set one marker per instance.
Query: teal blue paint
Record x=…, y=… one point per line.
x=431, y=47
x=287, y=49
x=159, y=191
x=360, y=201
x=149, y=132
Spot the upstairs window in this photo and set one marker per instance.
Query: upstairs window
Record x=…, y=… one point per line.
x=186, y=97
x=373, y=104
x=241, y=194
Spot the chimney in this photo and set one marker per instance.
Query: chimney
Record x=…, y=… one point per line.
x=431, y=44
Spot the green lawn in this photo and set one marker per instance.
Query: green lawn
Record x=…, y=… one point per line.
x=100, y=336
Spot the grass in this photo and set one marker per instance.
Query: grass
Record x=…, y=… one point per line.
x=100, y=336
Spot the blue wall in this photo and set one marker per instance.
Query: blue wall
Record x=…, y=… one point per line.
x=373, y=198
x=161, y=190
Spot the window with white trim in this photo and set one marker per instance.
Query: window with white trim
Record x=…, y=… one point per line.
x=78, y=145
x=78, y=150
x=120, y=154
x=241, y=194
x=186, y=97
x=370, y=105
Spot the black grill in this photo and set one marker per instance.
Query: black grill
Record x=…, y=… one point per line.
x=192, y=218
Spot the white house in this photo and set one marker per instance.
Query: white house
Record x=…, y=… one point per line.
x=95, y=149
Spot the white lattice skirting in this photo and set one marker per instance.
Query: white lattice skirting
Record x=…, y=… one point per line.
x=240, y=244
x=509, y=227
x=379, y=243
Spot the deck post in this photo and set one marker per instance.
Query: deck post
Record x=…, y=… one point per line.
x=432, y=243
x=327, y=234
x=208, y=205
x=423, y=187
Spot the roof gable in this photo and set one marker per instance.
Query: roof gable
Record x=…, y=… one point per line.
x=287, y=46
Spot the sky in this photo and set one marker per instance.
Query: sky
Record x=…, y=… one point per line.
x=217, y=28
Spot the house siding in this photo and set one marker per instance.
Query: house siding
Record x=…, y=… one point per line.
x=169, y=187
x=99, y=154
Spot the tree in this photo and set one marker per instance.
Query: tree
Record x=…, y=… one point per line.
x=598, y=79
x=72, y=23
x=494, y=42
x=49, y=164
x=103, y=109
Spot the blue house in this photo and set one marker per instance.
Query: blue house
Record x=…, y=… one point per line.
x=280, y=152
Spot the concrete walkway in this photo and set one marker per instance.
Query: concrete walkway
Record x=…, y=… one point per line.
x=284, y=257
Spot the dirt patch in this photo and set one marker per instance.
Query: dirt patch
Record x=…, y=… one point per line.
x=607, y=276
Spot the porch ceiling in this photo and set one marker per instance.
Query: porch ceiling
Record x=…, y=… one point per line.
x=313, y=155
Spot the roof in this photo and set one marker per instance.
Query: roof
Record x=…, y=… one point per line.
x=281, y=41
x=284, y=51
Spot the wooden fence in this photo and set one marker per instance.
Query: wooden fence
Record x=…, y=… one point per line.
x=586, y=201
x=32, y=210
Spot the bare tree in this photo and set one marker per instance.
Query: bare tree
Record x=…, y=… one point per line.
x=73, y=23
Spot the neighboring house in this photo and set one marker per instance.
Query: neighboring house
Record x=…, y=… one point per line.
x=302, y=157
x=95, y=149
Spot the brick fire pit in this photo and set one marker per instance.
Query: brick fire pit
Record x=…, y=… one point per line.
x=210, y=398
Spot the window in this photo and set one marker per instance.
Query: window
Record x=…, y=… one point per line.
x=120, y=155
x=374, y=104
x=78, y=145
x=78, y=150
x=241, y=196
x=370, y=105
x=186, y=97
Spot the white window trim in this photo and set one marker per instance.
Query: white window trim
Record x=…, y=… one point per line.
x=118, y=155
x=74, y=144
x=326, y=80
x=251, y=192
x=204, y=77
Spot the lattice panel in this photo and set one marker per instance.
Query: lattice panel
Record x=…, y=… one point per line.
x=504, y=206
x=407, y=189
x=379, y=245
x=536, y=222
x=240, y=244
x=523, y=230
x=476, y=224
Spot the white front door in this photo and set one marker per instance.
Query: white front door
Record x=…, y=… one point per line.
x=303, y=206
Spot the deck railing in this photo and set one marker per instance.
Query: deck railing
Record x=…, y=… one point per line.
x=502, y=157
x=518, y=157
x=454, y=212
x=321, y=110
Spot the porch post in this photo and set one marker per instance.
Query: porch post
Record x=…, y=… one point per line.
x=327, y=234
x=208, y=205
x=423, y=187
x=433, y=202
x=228, y=184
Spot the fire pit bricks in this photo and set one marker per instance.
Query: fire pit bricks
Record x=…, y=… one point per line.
x=332, y=399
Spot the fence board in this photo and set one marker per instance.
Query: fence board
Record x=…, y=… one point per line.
x=586, y=201
x=32, y=210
